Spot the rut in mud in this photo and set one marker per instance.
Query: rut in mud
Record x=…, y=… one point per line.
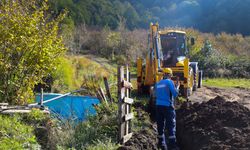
x=216, y=124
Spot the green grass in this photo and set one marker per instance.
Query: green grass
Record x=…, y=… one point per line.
x=15, y=134
x=227, y=83
x=74, y=71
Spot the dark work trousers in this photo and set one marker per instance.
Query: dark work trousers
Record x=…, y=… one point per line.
x=165, y=116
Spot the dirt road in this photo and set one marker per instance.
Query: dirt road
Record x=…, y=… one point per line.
x=241, y=95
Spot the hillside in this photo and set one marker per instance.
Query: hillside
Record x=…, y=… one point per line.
x=230, y=16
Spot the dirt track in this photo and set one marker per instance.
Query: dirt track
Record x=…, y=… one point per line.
x=241, y=95
x=212, y=121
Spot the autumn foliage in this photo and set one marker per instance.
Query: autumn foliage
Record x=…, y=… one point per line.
x=29, y=47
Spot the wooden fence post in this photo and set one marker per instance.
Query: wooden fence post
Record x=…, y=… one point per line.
x=124, y=111
x=102, y=94
x=107, y=89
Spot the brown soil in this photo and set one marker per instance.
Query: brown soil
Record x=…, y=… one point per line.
x=216, y=124
x=242, y=95
x=145, y=132
x=215, y=119
x=142, y=140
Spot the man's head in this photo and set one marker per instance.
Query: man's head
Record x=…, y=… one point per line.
x=167, y=73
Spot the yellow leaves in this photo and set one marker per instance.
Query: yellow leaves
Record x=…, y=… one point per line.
x=113, y=38
x=29, y=47
x=18, y=49
x=11, y=36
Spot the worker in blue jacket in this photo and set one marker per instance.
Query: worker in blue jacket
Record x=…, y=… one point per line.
x=166, y=92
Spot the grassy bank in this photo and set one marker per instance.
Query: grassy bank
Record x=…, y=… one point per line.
x=227, y=83
x=85, y=71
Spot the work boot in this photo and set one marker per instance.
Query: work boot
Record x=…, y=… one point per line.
x=161, y=143
x=173, y=145
x=163, y=147
x=175, y=148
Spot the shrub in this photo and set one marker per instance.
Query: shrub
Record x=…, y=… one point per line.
x=29, y=47
x=239, y=66
x=103, y=145
x=215, y=63
x=102, y=127
x=89, y=134
x=64, y=75
x=91, y=83
x=111, y=43
x=35, y=118
x=16, y=135
x=61, y=135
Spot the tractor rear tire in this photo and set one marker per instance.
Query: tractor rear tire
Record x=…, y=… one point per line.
x=187, y=93
x=195, y=72
x=200, y=79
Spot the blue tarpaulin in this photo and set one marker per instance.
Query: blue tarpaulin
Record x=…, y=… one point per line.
x=71, y=106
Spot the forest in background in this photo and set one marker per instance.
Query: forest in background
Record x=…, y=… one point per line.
x=231, y=16
x=117, y=30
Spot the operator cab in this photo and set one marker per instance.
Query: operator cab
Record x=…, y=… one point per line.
x=174, y=49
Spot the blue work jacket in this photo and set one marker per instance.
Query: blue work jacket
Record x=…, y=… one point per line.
x=165, y=92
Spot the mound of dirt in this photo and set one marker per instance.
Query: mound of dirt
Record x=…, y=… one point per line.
x=216, y=124
x=142, y=140
x=145, y=135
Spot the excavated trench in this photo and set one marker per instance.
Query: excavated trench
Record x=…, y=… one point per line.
x=215, y=124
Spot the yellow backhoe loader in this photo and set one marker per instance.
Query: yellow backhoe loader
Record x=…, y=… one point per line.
x=168, y=49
